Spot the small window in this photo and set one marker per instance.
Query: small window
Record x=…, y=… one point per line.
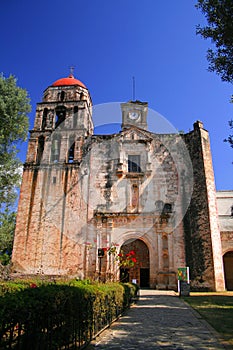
x=134, y=164
x=71, y=154
x=167, y=208
x=63, y=94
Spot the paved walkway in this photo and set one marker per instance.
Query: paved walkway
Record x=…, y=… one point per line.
x=159, y=320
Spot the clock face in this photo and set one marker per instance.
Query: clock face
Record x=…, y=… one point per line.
x=134, y=115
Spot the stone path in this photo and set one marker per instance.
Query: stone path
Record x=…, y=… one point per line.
x=159, y=320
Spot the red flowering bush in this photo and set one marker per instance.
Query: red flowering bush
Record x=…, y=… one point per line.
x=127, y=260
x=124, y=260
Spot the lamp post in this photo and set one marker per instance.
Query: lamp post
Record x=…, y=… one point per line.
x=100, y=256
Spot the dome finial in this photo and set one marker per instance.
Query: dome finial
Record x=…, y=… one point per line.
x=71, y=75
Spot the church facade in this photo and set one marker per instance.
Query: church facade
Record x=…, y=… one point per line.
x=87, y=200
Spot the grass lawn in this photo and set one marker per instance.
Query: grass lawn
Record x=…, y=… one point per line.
x=216, y=309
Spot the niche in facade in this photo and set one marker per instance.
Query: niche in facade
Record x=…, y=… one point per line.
x=55, y=150
x=165, y=242
x=135, y=196
x=165, y=261
x=167, y=208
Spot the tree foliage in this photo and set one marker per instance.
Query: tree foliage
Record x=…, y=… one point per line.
x=7, y=227
x=230, y=137
x=14, y=109
x=219, y=15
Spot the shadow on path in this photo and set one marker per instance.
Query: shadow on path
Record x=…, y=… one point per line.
x=159, y=320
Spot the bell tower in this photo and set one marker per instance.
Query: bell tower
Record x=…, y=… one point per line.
x=53, y=178
x=134, y=113
x=63, y=120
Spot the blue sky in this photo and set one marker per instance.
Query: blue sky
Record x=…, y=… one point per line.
x=109, y=42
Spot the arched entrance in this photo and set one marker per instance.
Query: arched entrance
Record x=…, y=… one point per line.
x=140, y=271
x=228, y=270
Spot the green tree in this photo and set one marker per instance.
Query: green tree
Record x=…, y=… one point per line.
x=14, y=109
x=219, y=15
x=7, y=227
x=230, y=137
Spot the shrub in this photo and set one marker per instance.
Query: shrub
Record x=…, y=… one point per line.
x=50, y=316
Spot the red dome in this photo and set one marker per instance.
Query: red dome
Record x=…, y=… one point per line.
x=70, y=80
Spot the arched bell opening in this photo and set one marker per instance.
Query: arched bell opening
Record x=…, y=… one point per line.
x=228, y=270
x=135, y=263
x=60, y=115
x=44, y=118
x=61, y=95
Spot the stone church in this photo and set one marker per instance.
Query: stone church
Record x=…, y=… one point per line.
x=86, y=199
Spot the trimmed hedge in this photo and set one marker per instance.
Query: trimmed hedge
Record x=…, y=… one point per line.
x=58, y=316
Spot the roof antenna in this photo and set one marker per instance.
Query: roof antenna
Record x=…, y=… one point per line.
x=72, y=70
x=133, y=88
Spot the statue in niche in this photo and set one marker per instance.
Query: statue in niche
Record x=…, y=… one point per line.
x=50, y=119
x=135, y=196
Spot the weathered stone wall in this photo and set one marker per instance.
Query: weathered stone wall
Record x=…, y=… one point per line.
x=56, y=223
x=52, y=212
x=225, y=214
x=110, y=193
x=203, y=245
x=79, y=194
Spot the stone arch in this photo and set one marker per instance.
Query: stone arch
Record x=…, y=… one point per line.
x=228, y=271
x=44, y=118
x=140, y=272
x=60, y=115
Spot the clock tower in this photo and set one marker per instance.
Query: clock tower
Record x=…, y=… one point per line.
x=134, y=113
